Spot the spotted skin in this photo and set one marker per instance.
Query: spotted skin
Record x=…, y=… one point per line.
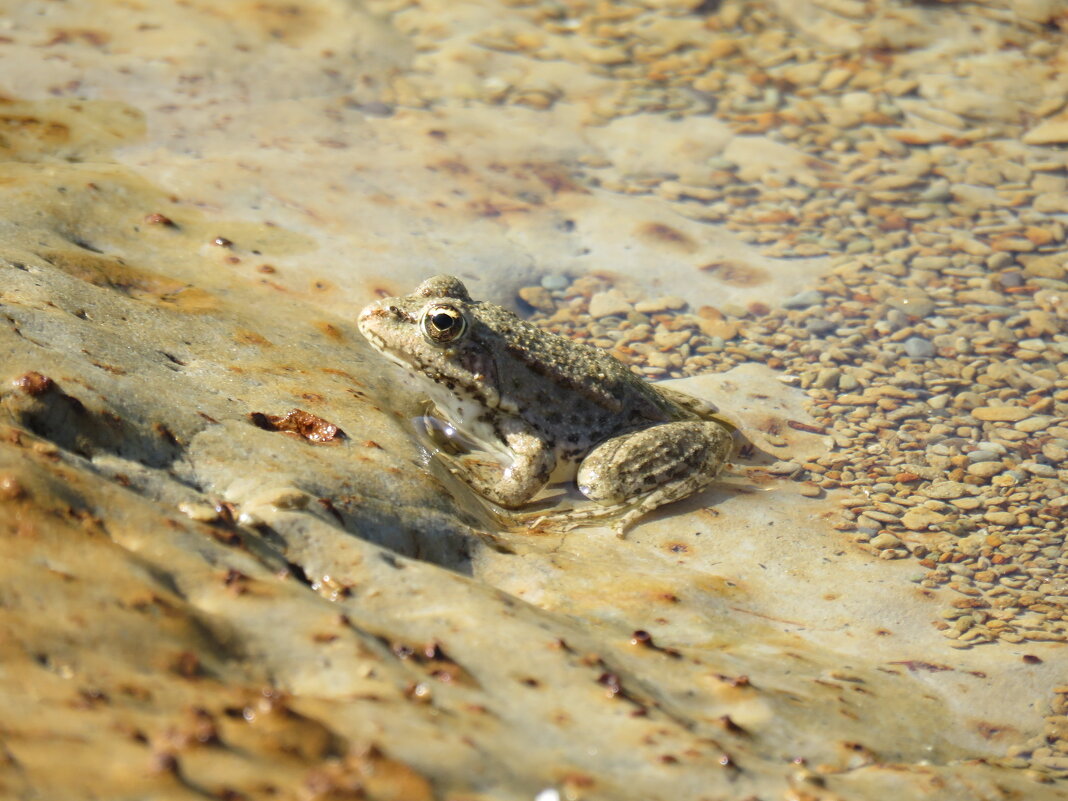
x=540, y=405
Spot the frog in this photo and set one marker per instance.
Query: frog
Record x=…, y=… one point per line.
x=538, y=405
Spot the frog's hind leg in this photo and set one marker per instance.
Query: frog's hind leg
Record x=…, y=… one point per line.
x=632, y=474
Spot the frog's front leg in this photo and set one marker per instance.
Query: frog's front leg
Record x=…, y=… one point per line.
x=637, y=472
x=516, y=480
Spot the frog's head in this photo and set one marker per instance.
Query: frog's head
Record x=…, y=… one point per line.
x=433, y=332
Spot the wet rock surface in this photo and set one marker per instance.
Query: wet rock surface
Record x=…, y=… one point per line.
x=231, y=569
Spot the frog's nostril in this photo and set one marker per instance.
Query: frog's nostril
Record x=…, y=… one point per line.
x=401, y=315
x=375, y=311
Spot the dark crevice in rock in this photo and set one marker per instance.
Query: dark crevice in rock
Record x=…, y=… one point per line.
x=40, y=405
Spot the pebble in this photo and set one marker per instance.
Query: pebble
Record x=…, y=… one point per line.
x=921, y=519
x=1045, y=267
x=819, y=327
x=1000, y=518
x=1000, y=414
x=985, y=469
x=803, y=300
x=930, y=262
x=1051, y=203
x=1029, y=425
x=669, y=340
x=919, y=348
x=827, y=378
x=982, y=297
x=783, y=468
x=538, y=297
x=555, y=282
x=1039, y=469
x=914, y=305
x=885, y=541
x=1011, y=279
x=663, y=304
x=946, y=490
x=1053, y=131
x=1055, y=453
x=936, y=192
x=609, y=304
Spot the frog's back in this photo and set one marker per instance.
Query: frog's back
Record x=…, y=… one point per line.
x=557, y=378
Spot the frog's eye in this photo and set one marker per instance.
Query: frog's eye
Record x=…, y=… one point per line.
x=443, y=324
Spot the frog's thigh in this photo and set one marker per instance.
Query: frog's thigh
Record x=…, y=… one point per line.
x=671, y=460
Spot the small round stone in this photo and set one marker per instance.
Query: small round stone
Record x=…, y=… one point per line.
x=885, y=541
x=669, y=303
x=538, y=297
x=819, y=327
x=555, y=282
x=1000, y=414
x=803, y=300
x=985, y=469
x=921, y=519
x=919, y=348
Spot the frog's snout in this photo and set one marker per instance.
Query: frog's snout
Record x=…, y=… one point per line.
x=373, y=311
x=367, y=314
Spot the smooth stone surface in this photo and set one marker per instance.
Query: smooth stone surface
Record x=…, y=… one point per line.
x=919, y=348
x=555, y=282
x=985, y=469
x=947, y=490
x=885, y=540
x=803, y=300
x=655, y=305
x=1046, y=267
x=921, y=519
x=1000, y=414
x=818, y=326
x=609, y=304
x=915, y=305
x=1048, y=132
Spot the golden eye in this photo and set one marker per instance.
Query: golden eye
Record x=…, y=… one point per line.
x=443, y=324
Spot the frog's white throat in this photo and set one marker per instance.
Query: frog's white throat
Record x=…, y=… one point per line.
x=469, y=411
x=471, y=418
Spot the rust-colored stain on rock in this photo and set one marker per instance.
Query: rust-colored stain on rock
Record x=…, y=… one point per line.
x=330, y=330
x=302, y=424
x=245, y=336
x=656, y=233
x=556, y=178
x=736, y=273
x=34, y=383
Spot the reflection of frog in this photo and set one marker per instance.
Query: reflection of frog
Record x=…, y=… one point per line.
x=533, y=401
